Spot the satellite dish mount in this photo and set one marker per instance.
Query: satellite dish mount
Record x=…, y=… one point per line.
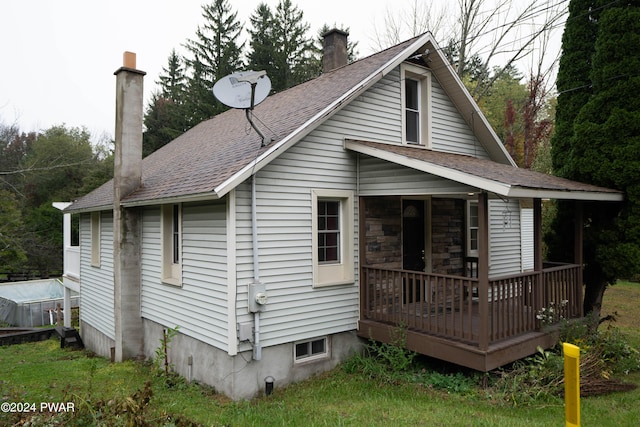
x=244, y=90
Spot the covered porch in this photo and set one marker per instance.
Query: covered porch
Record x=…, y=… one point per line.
x=462, y=315
x=456, y=295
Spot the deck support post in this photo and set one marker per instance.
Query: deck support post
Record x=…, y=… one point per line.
x=537, y=254
x=578, y=253
x=483, y=270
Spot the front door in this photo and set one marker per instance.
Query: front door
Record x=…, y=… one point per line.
x=413, y=235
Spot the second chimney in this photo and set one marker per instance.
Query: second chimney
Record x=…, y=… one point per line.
x=335, y=53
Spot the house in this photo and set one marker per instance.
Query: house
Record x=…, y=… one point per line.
x=381, y=199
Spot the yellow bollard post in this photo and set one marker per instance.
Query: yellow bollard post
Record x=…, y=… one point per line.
x=571, y=384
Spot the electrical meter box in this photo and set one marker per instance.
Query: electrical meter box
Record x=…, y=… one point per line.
x=257, y=297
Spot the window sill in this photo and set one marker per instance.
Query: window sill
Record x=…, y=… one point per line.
x=172, y=281
x=334, y=283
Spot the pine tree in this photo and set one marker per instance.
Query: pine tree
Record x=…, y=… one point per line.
x=262, y=43
x=293, y=53
x=601, y=142
x=165, y=118
x=573, y=82
x=215, y=53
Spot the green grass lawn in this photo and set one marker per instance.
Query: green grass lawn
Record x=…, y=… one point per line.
x=42, y=372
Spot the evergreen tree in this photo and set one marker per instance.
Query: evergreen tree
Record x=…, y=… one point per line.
x=573, y=82
x=165, y=118
x=293, y=53
x=261, y=43
x=215, y=53
x=601, y=142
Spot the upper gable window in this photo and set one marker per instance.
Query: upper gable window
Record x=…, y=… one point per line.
x=416, y=104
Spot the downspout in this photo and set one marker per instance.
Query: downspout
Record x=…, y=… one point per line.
x=257, y=349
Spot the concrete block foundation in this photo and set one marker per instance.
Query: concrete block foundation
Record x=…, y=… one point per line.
x=240, y=377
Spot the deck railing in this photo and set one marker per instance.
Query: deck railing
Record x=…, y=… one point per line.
x=448, y=306
x=72, y=261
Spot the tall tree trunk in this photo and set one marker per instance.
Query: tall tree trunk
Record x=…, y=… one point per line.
x=595, y=285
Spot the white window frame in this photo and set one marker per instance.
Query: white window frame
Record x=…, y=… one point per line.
x=423, y=77
x=96, y=224
x=342, y=271
x=171, y=270
x=472, y=252
x=311, y=357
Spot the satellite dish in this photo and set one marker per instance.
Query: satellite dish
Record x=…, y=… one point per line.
x=244, y=89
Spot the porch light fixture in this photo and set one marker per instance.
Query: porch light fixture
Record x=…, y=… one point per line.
x=411, y=212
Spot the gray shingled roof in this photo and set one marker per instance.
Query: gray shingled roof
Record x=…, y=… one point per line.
x=505, y=180
x=214, y=156
x=204, y=157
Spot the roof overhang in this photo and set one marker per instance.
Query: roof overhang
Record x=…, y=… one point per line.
x=502, y=187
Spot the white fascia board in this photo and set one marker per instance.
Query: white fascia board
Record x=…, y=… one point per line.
x=441, y=171
x=402, y=56
x=446, y=67
x=200, y=197
x=598, y=196
x=87, y=210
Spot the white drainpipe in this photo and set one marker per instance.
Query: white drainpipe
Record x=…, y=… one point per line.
x=257, y=349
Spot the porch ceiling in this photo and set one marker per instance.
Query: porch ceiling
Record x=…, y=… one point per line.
x=503, y=180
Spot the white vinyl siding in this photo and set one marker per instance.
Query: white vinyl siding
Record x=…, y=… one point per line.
x=199, y=307
x=526, y=238
x=296, y=311
x=504, y=238
x=96, y=287
x=379, y=177
x=449, y=131
x=376, y=116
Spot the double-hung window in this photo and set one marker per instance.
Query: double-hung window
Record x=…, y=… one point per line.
x=328, y=231
x=172, y=244
x=416, y=102
x=332, y=237
x=472, y=228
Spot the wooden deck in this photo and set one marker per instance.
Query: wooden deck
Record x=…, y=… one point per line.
x=451, y=318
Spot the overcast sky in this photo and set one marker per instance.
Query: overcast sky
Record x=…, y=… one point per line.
x=58, y=57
